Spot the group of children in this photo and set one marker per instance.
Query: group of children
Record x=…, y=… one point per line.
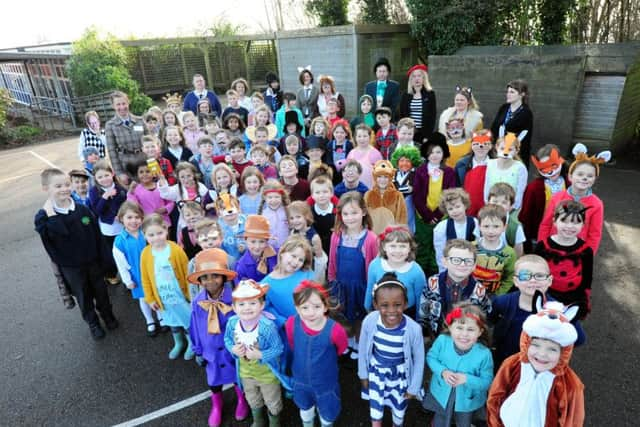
x=268, y=271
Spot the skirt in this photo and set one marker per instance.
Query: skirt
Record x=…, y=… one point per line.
x=387, y=387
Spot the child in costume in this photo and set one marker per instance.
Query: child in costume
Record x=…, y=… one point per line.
x=458, y=225
x=256, y=346
x=208, y=236
x=274, y=207
x=192, y=133
x=570, y=258
x=80, y=184
x=462, y=368
x=391, y=349
x=315, y=151
x=583, y=173
x=260, y=258
x=127, y=248
x=396, y=255
x=210, y=314
x=471, y=170
x=457, y=140
x=163, y=267
x=188, y=188
x=353, y=247
x=234, y=106
x=223, y=180
x=507, y=167
x=536, y=387
x=496, y=259
x=91, y=157
x=288, y=114
x=406, y=129
x=203, y=159
x=293, y=146
x=365, y=154
x=431, y=179
x=453, y=285
x=316, y=342
x=383, y=195
x=551, y=180
x=92, y=136
x=144, y=192
x=406, y=159
x=232, y=224
x=251, y=183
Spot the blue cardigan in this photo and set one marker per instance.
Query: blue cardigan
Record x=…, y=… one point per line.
x=413, y=279
x=270, y=345
x=477, y=365
x=412, y=345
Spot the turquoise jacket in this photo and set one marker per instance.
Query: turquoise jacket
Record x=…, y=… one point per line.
x=270, y=345
x=477, y=365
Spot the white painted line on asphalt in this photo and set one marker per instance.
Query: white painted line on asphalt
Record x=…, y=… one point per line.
x=38, y=156
x=167, y=410
x=2, y=181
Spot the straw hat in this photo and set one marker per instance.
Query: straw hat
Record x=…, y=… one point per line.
x=211, y=261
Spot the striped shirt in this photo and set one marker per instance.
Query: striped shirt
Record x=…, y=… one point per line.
x=387, y=344
x=416, y=111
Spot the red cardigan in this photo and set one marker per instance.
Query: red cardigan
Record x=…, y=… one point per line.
x=591, y=232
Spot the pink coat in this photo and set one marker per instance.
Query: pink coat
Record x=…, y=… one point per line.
x=369, y=251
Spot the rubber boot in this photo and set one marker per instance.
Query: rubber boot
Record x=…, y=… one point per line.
x=178, y=345
x=242, y=407
x=188, y=353
x=274, y=420
x=258, y=417
x=215, y=417
x=309, y=423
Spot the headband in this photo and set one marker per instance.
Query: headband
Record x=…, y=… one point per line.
x=580, y=153
x=395, y=282
x=307, y=68
x=391, y=229
x=273, y=190
x=309, y=284
x=457, y=313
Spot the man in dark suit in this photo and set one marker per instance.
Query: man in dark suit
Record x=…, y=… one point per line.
x=384, y=92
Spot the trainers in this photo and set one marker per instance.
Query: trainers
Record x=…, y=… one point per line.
x=111, y=322
x=97, y=332
x=152, y=331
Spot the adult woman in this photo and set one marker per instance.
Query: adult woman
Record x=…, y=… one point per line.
x=328, y=91
x=307, y=96
x=124, y=136
x=419, y=102
x=464, y=107
x=92, y=136
x=242, y=87
x=516, y=116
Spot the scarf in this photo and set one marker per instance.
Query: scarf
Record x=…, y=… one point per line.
x=212, y=307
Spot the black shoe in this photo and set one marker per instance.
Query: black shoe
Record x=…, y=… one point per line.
x=97, y=332
x=162, y=328
x=111, y=323
x=152, y=330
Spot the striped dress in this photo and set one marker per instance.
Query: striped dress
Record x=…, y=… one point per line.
x=387, y=377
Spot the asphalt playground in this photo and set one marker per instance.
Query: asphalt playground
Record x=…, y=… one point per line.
x=53, y=374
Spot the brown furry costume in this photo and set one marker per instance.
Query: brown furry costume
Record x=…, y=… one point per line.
x=391, y=199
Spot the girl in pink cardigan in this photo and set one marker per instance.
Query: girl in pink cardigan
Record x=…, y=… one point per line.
x=353, y=247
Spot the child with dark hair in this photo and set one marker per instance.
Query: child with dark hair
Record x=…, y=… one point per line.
x=272, y=94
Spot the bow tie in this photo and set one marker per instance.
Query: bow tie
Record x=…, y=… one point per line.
x=212, y=307
x=262, y=264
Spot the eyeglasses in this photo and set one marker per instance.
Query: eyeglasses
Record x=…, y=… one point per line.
x=525, y=276
x=456, y=260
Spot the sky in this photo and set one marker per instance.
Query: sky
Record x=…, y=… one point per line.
x=65, y=21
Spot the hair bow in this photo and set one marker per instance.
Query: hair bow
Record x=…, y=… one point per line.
x=457, y=313
x=310, y=284
x=307, y=68
x=391, y=229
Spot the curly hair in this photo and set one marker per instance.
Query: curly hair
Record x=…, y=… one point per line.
x=408, y=152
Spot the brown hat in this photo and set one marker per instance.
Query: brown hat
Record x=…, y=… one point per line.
x=211, y=261
x=383, y=167
x=257, y=226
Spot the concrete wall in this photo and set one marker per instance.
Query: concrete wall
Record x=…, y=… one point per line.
x=554, y=85
x=628, y=119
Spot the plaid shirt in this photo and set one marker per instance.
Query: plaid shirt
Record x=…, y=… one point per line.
x=385, y=143
x=124, y=142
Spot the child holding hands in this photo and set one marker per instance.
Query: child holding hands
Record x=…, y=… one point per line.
x=391, y=353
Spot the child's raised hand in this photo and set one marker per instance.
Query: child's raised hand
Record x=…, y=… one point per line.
x=239, y=350
x=48, y=208
x=132, y=186
x=162, y=181
x=162, y=211
x=109, y=193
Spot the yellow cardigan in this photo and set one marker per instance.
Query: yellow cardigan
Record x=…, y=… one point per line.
x=179, y=262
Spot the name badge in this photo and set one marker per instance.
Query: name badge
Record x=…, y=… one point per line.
x=138, y=128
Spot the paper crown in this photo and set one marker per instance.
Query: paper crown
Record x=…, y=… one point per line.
x=170, y=99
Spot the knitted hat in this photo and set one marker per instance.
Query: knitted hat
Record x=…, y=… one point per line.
x=249, y=289
x=382, y=61
x=436, y=139
x=89, y=151
x=256, y=226
x=211, y=261
x=316, y=142
x=383, y=167
x=552, y=322
x=291, y=117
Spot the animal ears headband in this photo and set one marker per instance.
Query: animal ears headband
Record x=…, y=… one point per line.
x=307, y=68
x=465, y=89
x=520, y=136
x=580, y=153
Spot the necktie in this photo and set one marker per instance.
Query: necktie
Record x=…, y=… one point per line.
x=201, y=95
x=308, y=90
x=127, y=123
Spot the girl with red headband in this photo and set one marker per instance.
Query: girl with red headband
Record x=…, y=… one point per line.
x=316, y=342
x=462, y=368
x=274, y=207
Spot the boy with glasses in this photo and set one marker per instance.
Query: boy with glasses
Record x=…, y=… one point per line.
x=451, y=286
x=509, y=311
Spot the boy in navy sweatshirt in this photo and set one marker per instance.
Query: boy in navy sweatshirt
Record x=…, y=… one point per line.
x=71, y=237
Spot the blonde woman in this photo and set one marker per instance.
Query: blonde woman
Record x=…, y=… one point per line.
x=419, y=102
